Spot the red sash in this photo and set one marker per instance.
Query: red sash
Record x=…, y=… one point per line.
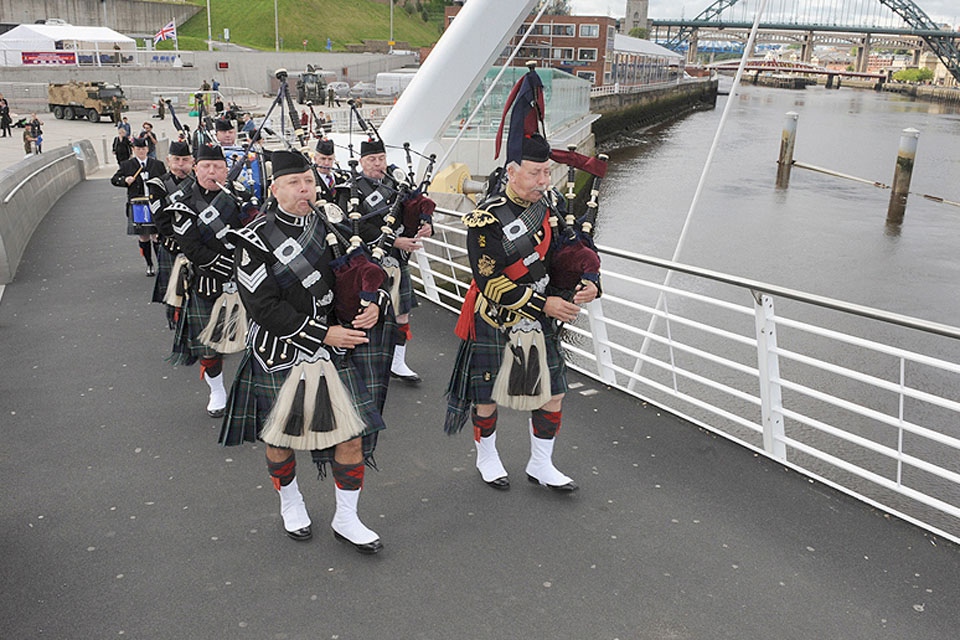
x=466, y=325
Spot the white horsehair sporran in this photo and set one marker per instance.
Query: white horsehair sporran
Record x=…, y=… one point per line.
x=523, y=382
x=313, y=410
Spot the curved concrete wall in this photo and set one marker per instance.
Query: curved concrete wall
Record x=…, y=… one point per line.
x=28, y=190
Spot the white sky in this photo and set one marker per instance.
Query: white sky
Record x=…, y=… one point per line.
x=940, y=10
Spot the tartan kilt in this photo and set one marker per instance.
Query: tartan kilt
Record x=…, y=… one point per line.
x=255, y=390
x=138, y=229
x=164, y=266
x=372, y=360
x=478, y=362
x=194, y=316
x=408, y=299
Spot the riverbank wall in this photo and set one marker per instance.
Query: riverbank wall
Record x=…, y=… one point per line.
x=623, y=112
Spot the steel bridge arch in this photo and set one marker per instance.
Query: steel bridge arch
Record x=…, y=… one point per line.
x=945, y=48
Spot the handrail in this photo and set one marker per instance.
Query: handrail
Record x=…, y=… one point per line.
x=20, y=184
x=793, y=294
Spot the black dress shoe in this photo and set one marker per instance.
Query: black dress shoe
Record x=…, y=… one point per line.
x=301, y=535
x=216, y=413
x=501, y=484
x=369, y=548
x=412, y=379
x=563, y=488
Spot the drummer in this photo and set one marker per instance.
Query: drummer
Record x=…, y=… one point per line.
x=133, y=174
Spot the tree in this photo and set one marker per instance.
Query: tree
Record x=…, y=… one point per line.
x=913, y=75
x=639, y=32
x=555, y=7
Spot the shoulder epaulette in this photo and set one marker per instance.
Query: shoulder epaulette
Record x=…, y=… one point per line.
x=482, y=217
x=249, y=234
x=180, y=207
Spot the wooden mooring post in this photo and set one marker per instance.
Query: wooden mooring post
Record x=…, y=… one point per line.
x=788, y=140
x=902, y=176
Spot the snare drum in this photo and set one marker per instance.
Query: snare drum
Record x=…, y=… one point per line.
x=140, y=211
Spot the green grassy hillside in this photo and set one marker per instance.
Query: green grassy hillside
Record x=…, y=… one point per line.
x=343, y=21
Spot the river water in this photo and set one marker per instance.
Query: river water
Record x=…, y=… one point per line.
x=824, y=236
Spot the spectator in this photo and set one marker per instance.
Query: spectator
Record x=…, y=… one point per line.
x=122, y=148
x=5, y=120
x=36, y=131
x=27, y=141
x=304, y=119
x=161, y=108
x=331, y=96
x=216, y=85
x=125, y=126
x=248, y=124
x=218, y=105
x=151, y=138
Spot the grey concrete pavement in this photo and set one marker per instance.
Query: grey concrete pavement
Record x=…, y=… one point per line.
x=121, y=515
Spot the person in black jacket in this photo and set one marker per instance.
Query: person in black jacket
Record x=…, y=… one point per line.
x=202, y=224
x=302, y=350
x=133, y=174
x=122, y=148
x=169, y=188
x=5, y=120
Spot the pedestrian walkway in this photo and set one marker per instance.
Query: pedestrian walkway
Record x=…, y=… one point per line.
x=122, y=516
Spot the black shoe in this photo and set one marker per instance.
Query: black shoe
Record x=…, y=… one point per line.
x=216, y=413
x=368, y=549
x=412, y=379
x=301, y=535
x=500, y=484
x=570, y=487
x=150, y=271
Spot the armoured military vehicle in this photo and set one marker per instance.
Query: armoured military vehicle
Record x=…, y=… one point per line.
x=311, y=86
x=90, y=100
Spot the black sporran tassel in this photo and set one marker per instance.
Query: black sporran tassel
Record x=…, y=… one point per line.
x=234, y=326
x=217, y=334
x=531, y=383
x=294, y=425
x=517, y=386
x=323, y=412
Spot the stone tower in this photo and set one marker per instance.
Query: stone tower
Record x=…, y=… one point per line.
x=636, y=15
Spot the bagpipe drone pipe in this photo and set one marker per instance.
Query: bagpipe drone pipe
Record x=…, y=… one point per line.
x=575, y=260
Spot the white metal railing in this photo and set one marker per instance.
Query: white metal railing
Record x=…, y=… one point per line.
x=866, y=415
x=616, y=88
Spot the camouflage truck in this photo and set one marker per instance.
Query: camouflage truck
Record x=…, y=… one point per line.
x=90, y=100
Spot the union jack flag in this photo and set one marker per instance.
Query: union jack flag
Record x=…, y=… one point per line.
x=169, y=31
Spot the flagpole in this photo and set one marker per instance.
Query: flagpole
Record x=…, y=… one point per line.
x=176, y=40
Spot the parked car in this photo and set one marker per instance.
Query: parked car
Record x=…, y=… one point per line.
x=341, y=89
x=363, y=90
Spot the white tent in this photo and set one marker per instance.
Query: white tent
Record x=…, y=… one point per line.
x=53, y=43
x=628, y=44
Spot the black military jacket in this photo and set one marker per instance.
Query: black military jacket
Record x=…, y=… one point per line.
x=137, y=188
x=289, y=322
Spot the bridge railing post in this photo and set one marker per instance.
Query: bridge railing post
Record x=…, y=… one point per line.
x=771, y=400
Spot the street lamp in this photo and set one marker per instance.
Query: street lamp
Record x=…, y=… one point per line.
x=391, y=26
x=276, y=25
x=209, y=30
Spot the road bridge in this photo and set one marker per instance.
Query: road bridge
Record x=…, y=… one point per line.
x=864, y=24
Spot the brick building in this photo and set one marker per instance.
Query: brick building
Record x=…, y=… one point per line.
x=580, y=45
